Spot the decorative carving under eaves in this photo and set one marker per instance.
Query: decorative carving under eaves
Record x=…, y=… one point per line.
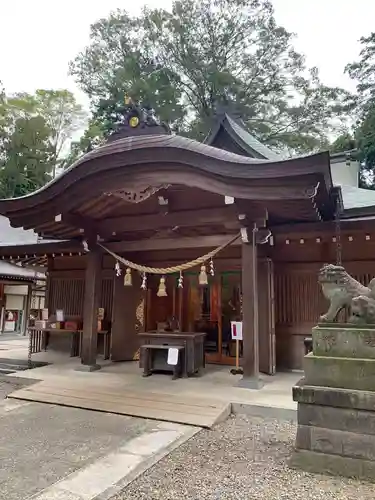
x=133, y=196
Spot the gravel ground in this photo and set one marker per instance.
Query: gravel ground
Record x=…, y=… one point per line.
x=9, y=385
x=245, y=459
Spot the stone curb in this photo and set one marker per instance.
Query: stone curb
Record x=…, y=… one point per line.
x=262, y=411
x=146, y=465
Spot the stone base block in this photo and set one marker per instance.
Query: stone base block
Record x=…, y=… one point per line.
x=336, y=442
x=325, y=463
x=336, y=431
x=250, y=383
x=88, y=368
x=344, y=341
x=334, y=397
x=348, y=373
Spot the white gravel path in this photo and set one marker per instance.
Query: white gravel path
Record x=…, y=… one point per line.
x=244, y=458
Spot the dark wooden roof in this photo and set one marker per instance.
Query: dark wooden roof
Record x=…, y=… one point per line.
x=195, y=175
x=230, y=133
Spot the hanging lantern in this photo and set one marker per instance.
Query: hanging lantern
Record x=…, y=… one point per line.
x=128, y=277
x=118, y=268
x=144, y=281
x=203, y=280
x=181, y=281
x=162, y=291
x=212, y=269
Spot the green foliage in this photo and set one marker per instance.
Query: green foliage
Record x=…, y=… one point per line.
x=34, y=129
x=206, y=53
x=93, y=137
x=344, y=142
x=28, y=157
x=363, y=72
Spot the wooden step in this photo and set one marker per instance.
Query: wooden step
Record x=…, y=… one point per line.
x=142, y=404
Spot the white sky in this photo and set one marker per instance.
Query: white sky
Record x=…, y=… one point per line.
x=38, y=38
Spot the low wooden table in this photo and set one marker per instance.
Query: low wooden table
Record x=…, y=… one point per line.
x=106, y=342
x=151, y=363
x=40, y=338
x=193, y=343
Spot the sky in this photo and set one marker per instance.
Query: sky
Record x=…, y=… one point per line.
x=40, y=37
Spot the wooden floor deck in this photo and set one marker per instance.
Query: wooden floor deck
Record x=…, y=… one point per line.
x=128, y=401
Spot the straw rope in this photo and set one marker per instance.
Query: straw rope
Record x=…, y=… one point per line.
x=173, y=269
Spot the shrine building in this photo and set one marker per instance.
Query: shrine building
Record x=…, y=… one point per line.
x=154, y=228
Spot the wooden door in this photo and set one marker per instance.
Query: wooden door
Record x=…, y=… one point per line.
x=230, y=311
x=266, y=298
x=128, y=311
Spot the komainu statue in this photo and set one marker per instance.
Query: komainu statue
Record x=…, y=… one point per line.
x=344, y=292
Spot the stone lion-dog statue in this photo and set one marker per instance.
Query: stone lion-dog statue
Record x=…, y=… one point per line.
x=344, y=292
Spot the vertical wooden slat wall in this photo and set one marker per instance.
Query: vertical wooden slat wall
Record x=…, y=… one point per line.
x=67, y=294
x=298, y=304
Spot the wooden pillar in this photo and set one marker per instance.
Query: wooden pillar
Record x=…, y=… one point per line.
x=250, y=317
x=267, y=339
x=26, y=309
x=90, y=309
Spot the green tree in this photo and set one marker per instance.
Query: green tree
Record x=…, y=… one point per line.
x=363, y=73
x=344, y=142
x=61, y=112
x=205, y=53
x=34, y=133
x=26, y=157
x=92, y=137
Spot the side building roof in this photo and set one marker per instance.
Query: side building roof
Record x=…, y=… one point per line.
x=230, y=133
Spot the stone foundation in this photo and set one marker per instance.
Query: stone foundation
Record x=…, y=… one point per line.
x=336, y=404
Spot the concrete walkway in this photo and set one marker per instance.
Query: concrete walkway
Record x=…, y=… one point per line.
x=216, y=383
x=51, y=452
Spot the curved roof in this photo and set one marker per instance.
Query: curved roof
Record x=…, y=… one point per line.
x=136, y=162
x=247, y=143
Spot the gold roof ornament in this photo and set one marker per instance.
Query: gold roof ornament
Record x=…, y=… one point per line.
x=128, y=100
x=134, y=121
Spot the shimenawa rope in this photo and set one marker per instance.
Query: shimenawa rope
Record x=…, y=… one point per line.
x=173, y=269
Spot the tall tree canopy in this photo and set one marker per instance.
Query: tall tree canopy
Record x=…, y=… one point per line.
x=205, y=53
x=362, y=72
x=34, y=129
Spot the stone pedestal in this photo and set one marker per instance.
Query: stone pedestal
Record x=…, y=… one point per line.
x=336, y=403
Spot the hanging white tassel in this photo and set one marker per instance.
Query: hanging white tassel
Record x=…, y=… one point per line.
x=181, y=280
x=118, y=268
x=128, y=277
x=162, y=290
x=144, y=282
x=202, y=278
x=212, y=269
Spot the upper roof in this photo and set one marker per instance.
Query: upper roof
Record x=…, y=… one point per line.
x=357, y=198
x=235, y=131
x=143, y=161
x=15, y=236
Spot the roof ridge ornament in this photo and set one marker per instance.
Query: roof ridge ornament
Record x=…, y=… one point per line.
x=135, y=119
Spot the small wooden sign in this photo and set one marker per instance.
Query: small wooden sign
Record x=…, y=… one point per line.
x=59, y=315
x=236, y=329
x=172, y=356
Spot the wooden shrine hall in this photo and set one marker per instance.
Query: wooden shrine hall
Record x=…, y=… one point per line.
x=155, y=228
